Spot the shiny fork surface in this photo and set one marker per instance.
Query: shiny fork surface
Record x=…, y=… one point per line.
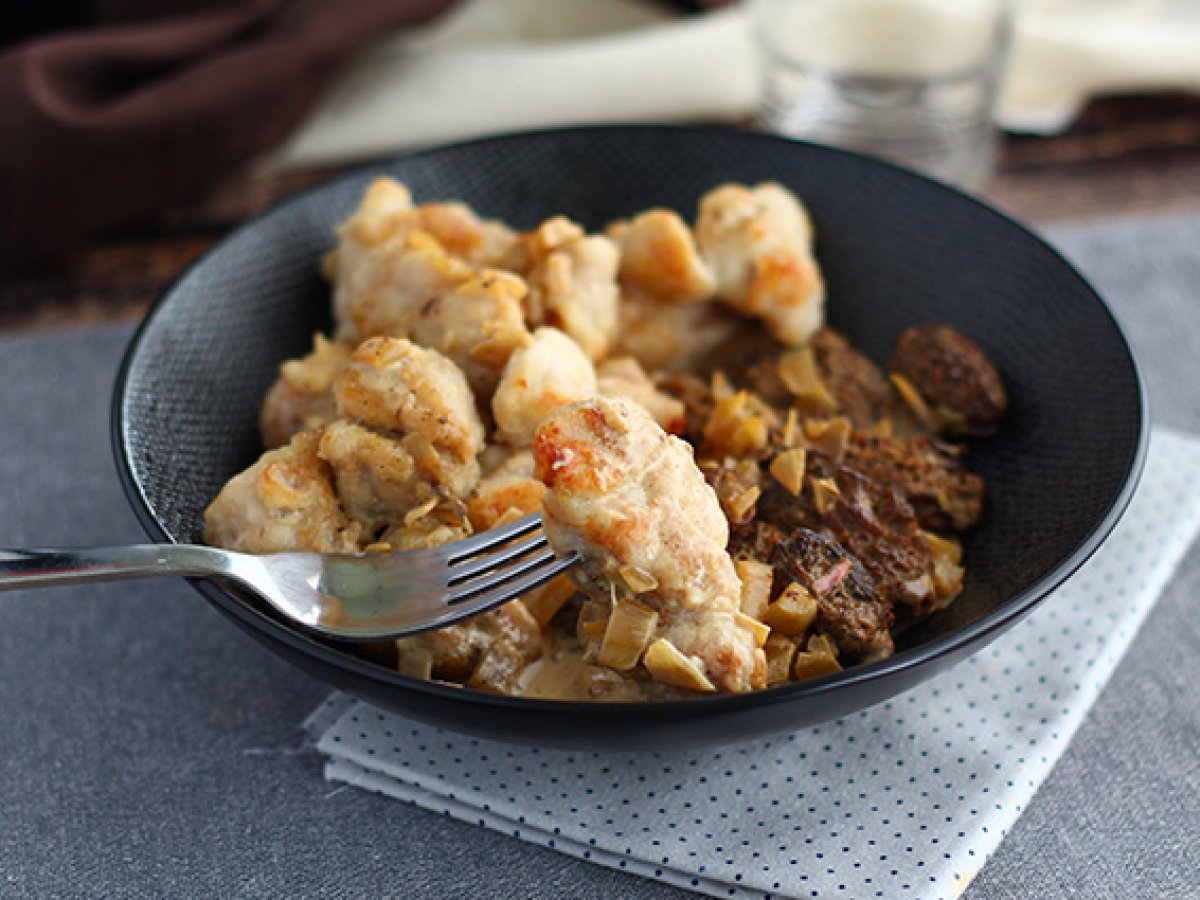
x=366, y=597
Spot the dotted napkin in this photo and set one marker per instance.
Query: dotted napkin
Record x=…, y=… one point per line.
x=906, y=798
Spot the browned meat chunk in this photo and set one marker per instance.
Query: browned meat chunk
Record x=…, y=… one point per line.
x=951, y=373
x=754, y=540
x=879, y=528
x=849, y=610
x=871, y=521
x=862, y=391
x=927, y=472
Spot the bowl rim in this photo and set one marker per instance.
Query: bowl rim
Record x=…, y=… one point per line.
x=1007, y=614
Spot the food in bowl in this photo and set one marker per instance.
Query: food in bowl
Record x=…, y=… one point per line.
x=754, y=501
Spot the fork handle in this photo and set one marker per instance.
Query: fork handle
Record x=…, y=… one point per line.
x=47, y=567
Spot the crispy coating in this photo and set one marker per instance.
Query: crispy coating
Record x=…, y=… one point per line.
x=548, y=373
x=659, y=256
x=375, y=477
x=478, y=325
x=758, y=242
x=573, y=287
x=393, y=386
x=532, y=247
x=386, y=267
x=623, y=493
x=302, y=397
x=285, y=501
x=624, y=377
x=481, y=242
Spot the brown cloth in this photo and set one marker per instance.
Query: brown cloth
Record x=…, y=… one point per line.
x=101, y=127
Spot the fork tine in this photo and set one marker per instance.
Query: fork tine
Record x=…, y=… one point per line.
x=481, y=543
x=481, y=603
x=501, y=578
x=494, y=593
x=478, y=565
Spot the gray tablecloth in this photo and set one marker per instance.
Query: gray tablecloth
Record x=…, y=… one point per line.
x=149, y=749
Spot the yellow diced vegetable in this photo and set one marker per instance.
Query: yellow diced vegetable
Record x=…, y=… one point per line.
x=791, y=428
x=637, y=579
x=825, y=494
x=812, y=665
x=413, y=658
x=823, y=644
x=757, y=629
x=498, y=668
x=741, y=506
x=629, y=630
x=666, y=664
x=592, y=622
x=830, y=436
x=545, y=602
x=793, y=611
x=798, y=371
x=780, y=651
x=721, y=387
x=788, y=469
x=914, y=401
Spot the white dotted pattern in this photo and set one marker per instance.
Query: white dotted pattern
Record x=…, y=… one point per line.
x=907, y=798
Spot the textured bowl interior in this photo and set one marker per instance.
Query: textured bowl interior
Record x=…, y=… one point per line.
x=896, y=249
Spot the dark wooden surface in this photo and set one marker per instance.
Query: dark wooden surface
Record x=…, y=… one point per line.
x=1124, y=156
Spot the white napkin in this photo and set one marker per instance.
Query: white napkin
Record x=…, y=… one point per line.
x=912, y=794
x=503, y=65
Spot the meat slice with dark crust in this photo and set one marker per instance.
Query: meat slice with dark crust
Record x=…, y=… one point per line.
x=869, y=520
x=952, y=373
x=849, y=609
x=927, y=472
x=862, y=391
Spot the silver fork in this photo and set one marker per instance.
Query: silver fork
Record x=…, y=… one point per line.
x=365, y=597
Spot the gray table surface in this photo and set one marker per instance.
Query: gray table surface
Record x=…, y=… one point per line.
x=151, y=750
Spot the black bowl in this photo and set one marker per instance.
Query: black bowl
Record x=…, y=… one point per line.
x=897, y=250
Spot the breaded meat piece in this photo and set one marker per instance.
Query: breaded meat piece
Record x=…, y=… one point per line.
x=421, y=399
x=624, y=376
x=376, y=478
x=478, y=325
x=679, y=337
x=758, y=242
x=572, y=284
x=481, y=242
x=302, y=397
x=506, y=493
x=629, y=499
x=659, y=256
x=284, y=502
x=548, y=373
x=385, y=267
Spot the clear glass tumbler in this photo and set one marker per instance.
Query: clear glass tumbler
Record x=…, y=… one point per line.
x=913, y=81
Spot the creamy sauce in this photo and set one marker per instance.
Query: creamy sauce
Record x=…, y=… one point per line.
x=562, y=674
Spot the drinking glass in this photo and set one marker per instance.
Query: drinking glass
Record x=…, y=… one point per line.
x=913, y=81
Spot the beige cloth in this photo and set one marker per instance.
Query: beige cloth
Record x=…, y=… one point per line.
x=503, y=65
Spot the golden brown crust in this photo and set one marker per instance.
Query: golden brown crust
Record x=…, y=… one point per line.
x=625, y=495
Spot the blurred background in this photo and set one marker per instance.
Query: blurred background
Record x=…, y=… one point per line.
x=135, y=133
